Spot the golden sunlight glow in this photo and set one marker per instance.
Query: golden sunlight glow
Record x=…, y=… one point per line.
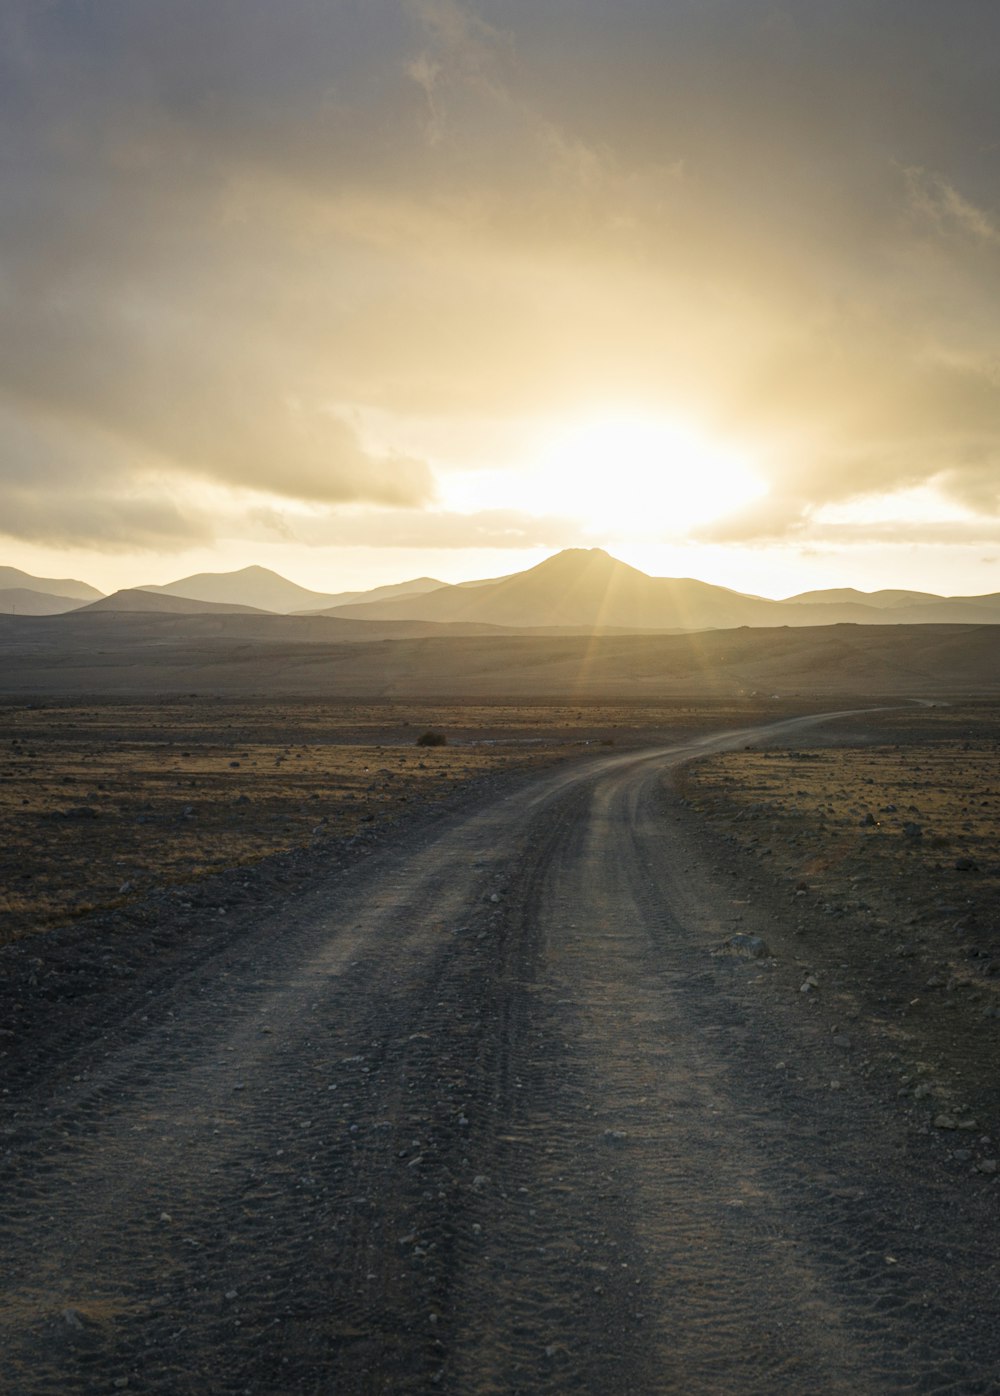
x=639, y=476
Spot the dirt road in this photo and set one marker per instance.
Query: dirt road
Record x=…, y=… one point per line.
x=482, y=1112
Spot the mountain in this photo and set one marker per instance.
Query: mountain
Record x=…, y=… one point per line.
x=849, y=596
x=135, y=599
x=264, y=590
x=257, y=587
x=22, y=601
x=417, y=587
x=12, y=578
x=578, y=587
x=588, y=587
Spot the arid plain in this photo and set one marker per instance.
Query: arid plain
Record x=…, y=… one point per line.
x=272, y=947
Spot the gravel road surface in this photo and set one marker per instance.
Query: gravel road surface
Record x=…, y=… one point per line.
x=482, y=1113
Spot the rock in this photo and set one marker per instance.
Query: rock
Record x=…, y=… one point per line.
x=945, y=1122
x=913, y=831
x=744, y=947
x=987, y=1165
x=867, y=821
x=809, y=985
x=966, y=865
x=842, y=1039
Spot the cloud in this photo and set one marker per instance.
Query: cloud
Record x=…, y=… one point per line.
x=220, y=220
x=487, y=528
x=941, y=204
x=59, y=490
x=105, y=521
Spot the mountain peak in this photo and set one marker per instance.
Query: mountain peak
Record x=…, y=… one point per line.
x=581, y=559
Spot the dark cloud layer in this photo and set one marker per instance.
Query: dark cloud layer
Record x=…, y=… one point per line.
x=226, y=223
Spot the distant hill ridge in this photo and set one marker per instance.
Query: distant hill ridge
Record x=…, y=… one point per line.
x=265, y=590
x=13, y=579
x=25, y=601
x=135, y=599
x=574, y=590
x=589, y=587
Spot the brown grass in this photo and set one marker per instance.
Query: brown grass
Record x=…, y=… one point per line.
x=833, y=823
x=100, y=802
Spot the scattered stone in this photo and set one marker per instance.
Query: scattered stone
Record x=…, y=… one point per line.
x=944, y=1121
x=988, y=1166
x=809, y=985
x=744, y=947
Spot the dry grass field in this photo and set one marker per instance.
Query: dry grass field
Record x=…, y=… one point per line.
x=908, y=827
x=880, y=851
x=103, y=802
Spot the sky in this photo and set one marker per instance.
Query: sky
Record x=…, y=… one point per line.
x=363, y=290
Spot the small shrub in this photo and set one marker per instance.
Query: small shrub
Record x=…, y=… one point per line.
x=432, y=739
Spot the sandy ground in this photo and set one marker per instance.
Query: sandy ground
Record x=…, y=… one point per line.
x=247, y=656
x=492, y=1101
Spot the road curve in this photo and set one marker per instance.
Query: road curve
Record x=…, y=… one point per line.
x=480, y=1114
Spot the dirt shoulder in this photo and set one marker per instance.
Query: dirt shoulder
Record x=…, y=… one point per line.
x=869, y=864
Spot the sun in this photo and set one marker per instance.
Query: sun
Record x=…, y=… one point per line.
x=631, y=475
